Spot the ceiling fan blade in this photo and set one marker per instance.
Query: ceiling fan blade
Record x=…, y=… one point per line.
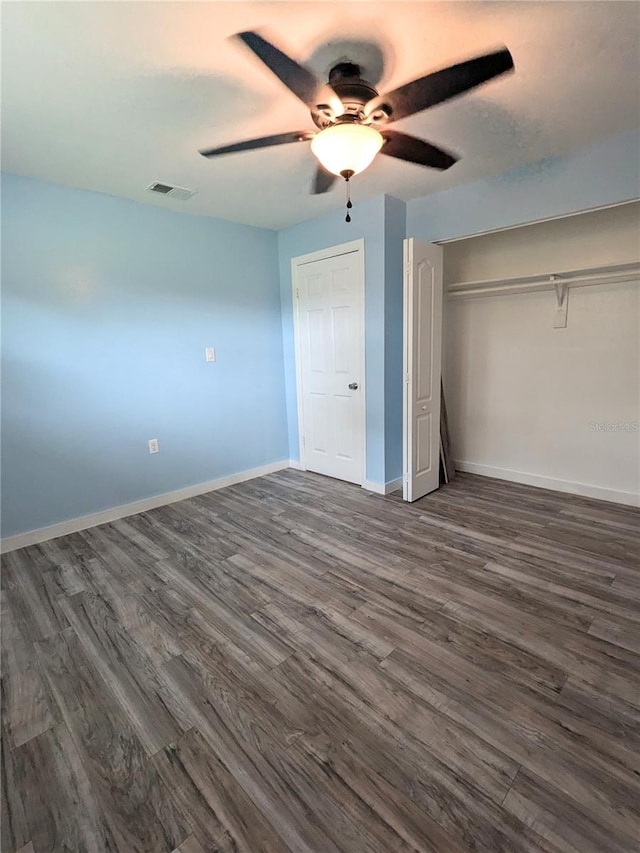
x=303, y=83
x=415, y=150
x=260, y=142
x=442, y=85
x=322, y=181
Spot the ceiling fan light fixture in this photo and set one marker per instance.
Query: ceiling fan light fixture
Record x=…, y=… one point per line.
x=346, y=147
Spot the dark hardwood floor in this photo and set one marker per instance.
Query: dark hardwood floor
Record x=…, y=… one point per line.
x=294, y=664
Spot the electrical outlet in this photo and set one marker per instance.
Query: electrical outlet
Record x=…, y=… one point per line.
x=209, y=354
x=153, y=445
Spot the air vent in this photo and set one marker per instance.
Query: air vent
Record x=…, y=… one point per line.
x=181, y=193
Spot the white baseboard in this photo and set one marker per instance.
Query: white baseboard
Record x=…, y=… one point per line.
x=583, y=489
x=43, y=534
x=383, y=488
x=296, y=464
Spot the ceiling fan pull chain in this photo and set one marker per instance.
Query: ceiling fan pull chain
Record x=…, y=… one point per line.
x=349, y=205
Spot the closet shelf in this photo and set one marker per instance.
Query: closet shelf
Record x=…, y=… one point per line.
x=612, y=274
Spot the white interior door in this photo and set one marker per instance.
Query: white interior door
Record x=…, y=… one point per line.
x=422, y=367
x=330, y=308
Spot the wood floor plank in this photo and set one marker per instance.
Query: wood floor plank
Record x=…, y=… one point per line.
x=124, y=608
x=181, y=530
x=458, y=686
x=64, y=576
x=226, y=620
x=246, y=698
x=482, y=647
x=240, y=748
x=585, y=538
x=357, y=678
x=124, y=668
x=467, y=816
x=359, y=748
x=609, y=713
x=597, y=664
x=26, y=706
x=144, y=547
x=14, y=825
x=283, y=580
x=295, y=664
x=36, y=611
x=541, y=546
x=607, y=600
x=224, y=817
x=190, y=845
x=621, y=633
x=529, y=593
x=137, y=805
x=116, y=553
x=537, y=742
x=58, y=797
x=348, y=820
x=563, y=822
x=410, y=823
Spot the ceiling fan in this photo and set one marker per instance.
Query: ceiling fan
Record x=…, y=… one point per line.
x=352, y=118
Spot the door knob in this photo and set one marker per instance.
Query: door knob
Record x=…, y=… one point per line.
x=353, y=386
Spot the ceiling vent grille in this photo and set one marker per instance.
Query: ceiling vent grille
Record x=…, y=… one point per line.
x=181, y=193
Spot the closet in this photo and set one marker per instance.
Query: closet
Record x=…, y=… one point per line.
x=541, y=359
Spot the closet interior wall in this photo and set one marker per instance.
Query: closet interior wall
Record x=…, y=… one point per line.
x=554, y=407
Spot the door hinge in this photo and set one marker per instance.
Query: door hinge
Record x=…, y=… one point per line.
x=407, y=377
x=304, y=441
x=297, y=293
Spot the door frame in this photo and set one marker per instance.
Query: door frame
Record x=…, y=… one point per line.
x=357, y=247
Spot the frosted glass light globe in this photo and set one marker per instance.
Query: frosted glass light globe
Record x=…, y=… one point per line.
x=346, y=147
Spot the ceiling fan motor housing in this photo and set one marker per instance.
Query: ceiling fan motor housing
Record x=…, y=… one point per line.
x=353, y=91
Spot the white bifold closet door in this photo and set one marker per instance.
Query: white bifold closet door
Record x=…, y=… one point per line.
x=422, y=367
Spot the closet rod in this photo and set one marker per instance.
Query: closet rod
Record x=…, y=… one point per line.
x=612, y=274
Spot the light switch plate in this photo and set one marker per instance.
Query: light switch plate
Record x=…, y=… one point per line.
x=153, y=445
x=209, y=354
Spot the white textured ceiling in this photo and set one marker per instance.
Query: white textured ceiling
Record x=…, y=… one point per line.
x=112, y=96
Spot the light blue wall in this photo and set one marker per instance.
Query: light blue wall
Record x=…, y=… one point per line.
x=107, y=308
x=394, y=234
x=604, y=174
x=321, y=233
